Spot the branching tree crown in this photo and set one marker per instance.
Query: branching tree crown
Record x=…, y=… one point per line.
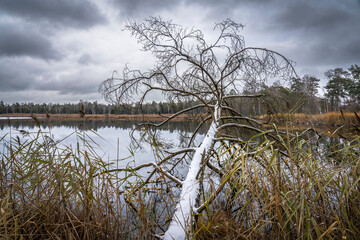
x=187, y=67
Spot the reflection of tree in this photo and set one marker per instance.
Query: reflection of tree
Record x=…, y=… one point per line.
x=190, y=69
x=182, y=127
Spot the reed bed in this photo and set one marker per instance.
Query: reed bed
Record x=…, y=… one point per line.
x=309, y=192
x=302, y=187
x=49, y=191
x=328, y=119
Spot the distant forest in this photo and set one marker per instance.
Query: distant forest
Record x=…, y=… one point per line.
x=301, y=96
x=93, y=108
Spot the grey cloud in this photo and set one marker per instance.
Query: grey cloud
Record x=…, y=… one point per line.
x=315, y=16
x=324, y=32
x=21, y=75
x=85, y=59
x=320, y=53
x=352, y=48
x=16, y=41
x=69, y=84
x=143, y=8
x=67, y=13
x=229, y=4
x=10, y=82
x=14, y=78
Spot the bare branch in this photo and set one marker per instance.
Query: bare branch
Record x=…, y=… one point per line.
x=244, y=96
x=136, y=168
x=188, y=68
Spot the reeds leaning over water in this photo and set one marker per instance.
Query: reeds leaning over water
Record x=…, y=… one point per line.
x=309, y=193
x=302, y=190
x=47, y=191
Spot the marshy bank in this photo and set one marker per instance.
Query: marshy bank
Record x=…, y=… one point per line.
x=328, y=119
x=301, y=188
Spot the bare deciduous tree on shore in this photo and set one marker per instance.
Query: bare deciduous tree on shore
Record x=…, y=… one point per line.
x=211, y=74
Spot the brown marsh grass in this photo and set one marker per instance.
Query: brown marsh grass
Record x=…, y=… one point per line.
x=329, y=119
x=300, y=189
x=309, y=193
x=49, y=191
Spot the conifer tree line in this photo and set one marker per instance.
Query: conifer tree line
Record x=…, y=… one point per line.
x=94, y=108
x=342, y=91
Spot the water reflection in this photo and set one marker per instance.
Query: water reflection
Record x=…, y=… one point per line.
x=112, y=138
x=96, y=125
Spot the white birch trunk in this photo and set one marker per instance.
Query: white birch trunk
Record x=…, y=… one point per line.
x=181, y=219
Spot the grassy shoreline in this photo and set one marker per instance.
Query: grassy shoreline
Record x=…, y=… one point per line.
x=323, y=119
x=51, y=192
x=296, y=119
x=97, y=117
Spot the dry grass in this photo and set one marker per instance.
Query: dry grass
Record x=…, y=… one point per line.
x=51, y=192
x=325, y=119
x=312, y=192
x=219, y=225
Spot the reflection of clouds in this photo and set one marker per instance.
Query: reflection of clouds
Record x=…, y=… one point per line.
x=102, y=137
x=14, y=118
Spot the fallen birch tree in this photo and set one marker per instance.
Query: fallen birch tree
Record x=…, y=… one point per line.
x=188, y=68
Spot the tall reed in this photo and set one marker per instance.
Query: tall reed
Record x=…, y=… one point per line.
x=302, y=191
x=50, y=191
x=304, y=186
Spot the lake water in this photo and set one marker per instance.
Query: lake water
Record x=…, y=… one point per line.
x=113, y=137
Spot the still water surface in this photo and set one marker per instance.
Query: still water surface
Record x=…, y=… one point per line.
x=113, y=137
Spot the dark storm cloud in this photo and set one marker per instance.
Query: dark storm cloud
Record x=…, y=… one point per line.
x=70, y=85
x=17, y=75
x=144, y=8
x=14, y=78
x=17, y=41
x=68, y=13
x=140, y=8
x=314, y=16
x=321, y=33
x=327, y=31
x=9, y=82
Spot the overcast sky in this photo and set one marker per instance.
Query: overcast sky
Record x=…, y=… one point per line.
x=61, y=50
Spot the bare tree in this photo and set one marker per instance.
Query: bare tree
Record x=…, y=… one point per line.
x=189, y=68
